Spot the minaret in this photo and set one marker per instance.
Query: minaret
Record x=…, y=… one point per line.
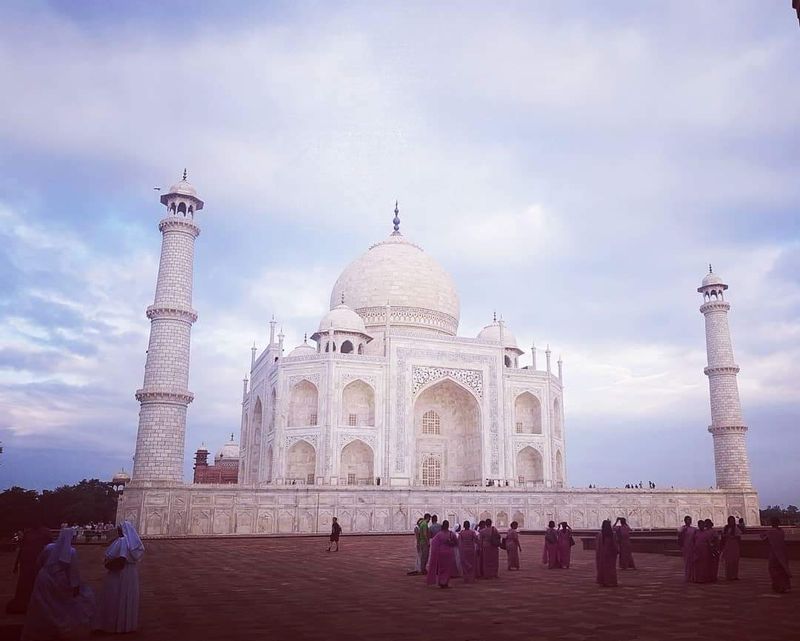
x=727, y=425
x=164, y=396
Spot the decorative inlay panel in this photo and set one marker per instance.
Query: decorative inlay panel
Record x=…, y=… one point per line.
x=472, y=378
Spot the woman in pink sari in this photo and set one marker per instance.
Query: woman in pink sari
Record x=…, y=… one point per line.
x=442, y=560
x=731, y=536
x=468, y=552
x=686, y=543
x=623, y=532
x=490, y=550
x=550, y=555
x=513, y=548
x=565, y=543
x=606, y=556
x=778, y=563
x=714, y=545
x=478, y=555
x=701, y=554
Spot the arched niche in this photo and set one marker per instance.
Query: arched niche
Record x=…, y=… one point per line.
x=301, y=462
x=303, y=403
x=357, y=463
x=458, y=444
x=527, y=414
x=530, y=467
x=559, y=468
x=358, y=404
x=557, y=423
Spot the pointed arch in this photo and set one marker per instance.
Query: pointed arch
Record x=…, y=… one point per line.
x=255, y=450
x=557, y=422
x=530, y=467
x=358, y=404
x=273, y=409
x=357, y=463
x=303, y=403
x=527, y=414
x=301, y=462
x=346, y=347
x=559, y=468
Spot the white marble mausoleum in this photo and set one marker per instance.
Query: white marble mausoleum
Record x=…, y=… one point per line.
x=388, y=413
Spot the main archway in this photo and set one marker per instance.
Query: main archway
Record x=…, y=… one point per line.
x=447, y=420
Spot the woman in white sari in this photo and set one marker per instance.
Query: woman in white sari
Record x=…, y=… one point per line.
x=119, y=604
x=61, y=607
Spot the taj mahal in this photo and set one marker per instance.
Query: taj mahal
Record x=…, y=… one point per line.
x=384, y=412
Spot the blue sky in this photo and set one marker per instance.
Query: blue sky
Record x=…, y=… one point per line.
x=575, y=167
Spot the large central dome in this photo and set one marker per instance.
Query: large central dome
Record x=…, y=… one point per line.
x=420, y=293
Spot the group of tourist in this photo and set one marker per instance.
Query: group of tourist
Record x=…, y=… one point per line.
x=557, y=545
x=57, y=603
x=703, y=548
x=613, y=542
x=469, y=550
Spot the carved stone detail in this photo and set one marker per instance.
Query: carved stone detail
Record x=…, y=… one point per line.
x=472, y=378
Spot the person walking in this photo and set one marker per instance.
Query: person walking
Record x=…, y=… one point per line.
x=490, y=550
x=336, y=531
x=61, y=606
x=468, y=552
x=513, y=547
x=778, y=563
x=606, y=556
x=550, y=554
x=623, y=532
x=565, y=543
x=424, y=542
x=686, y=544
x=731, y=538
x=442, y=563
x=31, y=543
x=118, y=609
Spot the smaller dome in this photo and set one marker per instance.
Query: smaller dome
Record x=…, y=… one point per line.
x=492, y=333
x=302, y=350
x=184, y=188
x=343, y=319
x=228, y=451
x=712, y=279
x=121, y=478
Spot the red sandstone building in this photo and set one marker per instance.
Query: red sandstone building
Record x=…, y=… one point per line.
x=225, y=468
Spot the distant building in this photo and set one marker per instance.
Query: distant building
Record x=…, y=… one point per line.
x=225, y=468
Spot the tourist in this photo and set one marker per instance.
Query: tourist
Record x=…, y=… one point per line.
x=714, y=544
x=565, y=543
x=623, y=532
x=550, y=553
x=336, y=531
x=442, y=561
x=702, y=553
x=778, y=564
x=424, y=542
x=490, y=550
x=60, y=606
x=686, y=544
x=468, y=552
x=479, y=565
x=741, y=525
x=513, y=548
x=30, y=543
x=118, y=610
x=606, y=556
x=435, y=526
x=731, y=538
x=416, y=569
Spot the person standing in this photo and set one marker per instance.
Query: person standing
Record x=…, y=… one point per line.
x=61, y=606
x=490, y=550
x=606, y=556
x=442, y=559
x=31, y=543
x=701, y=554
x=731, y=538
x=424, y=542
x=118, y=611
x=336, y=531
x=468, y=552
x=565, y=543
x=714, y=546
x=686, y=544
x=435, y=526
x=550, y=554
x=623, y=532
x=416, y=569
x=778, y=564
x=513, y=548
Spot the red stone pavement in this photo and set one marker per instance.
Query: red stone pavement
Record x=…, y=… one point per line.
x=290, y=588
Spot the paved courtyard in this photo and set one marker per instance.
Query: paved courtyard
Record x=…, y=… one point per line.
x=290, y=588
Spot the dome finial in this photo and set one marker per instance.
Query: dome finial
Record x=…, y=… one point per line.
x=494, y=316
x=231, y=437
x=710, y=271
x=396, y=220
x=342, y=297
x=305, y=338
x=184, y=173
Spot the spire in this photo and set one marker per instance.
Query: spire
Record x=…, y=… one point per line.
x=184, y=173
x=231, y=437
x=396, y=220
x=710, y=271
x=305, y=338
x=494, y=316
x=342, y=297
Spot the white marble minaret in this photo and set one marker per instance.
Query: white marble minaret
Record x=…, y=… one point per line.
x=727, y=425
x=164, y=396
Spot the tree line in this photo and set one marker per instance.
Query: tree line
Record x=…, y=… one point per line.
x=90, y=501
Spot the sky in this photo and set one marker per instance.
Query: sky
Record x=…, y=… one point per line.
x=574, y=165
